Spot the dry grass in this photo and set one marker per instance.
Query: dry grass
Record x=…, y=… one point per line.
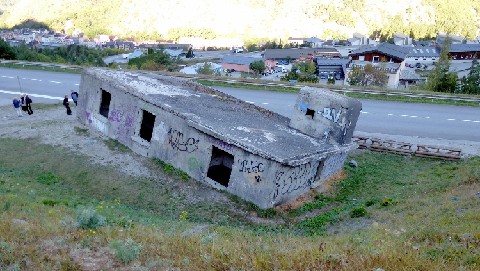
x=432, y=222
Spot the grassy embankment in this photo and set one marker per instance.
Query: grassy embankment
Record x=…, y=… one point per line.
x=393, y=212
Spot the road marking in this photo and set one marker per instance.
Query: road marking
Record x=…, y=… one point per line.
x=404, y=115
x=390, y=114
x=264, y=103
x=363, y=112
x=249, y=102
x=427, y=117
x=32, y=95
x=39, y=80
x=56, y=82
x=77, y=84
x=466, y=120
x=450, y=119
x=413, y=116
x=476, y=121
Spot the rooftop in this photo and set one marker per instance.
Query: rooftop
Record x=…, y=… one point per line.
x=385, y=48
x=231, y=120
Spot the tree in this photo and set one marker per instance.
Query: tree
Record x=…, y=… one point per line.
x=369, y=75
x=471, y=83
x=257, y=67
x=206, y=69
x=6, y=52
x=440, y=79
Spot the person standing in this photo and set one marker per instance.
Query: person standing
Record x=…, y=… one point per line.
x=74, y=96
x=23, y=102
x=16, y=105
x=67, y=105
x=28, y=102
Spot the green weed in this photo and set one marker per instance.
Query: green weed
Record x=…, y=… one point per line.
x=126, y=250
x=81, y=131
x=358, y=212
x=88, y=218
x=115, y=145
x=47, y=178
x=171, y=170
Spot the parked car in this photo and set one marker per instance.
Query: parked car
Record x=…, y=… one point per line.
x=323, y=75
x=238, y=50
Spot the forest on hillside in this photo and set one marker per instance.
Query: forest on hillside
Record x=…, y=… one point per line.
x=248, y=19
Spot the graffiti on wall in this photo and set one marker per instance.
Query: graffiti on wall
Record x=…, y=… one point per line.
x=178, y=142
x=252, y=169
x=297, y=178
x=220, y=144
x=123, y=120
x=331, y=114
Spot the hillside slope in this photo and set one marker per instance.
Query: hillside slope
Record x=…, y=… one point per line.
x=248, y=18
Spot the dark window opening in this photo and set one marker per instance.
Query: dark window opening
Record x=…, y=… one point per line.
x=220, y=166
x=105, y=103
x=148, y=122
x=310, y=112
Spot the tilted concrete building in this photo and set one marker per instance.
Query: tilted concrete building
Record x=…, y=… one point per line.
x=219, y=140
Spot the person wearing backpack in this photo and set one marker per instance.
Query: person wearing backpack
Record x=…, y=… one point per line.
x=74, y=96
x=16, y=105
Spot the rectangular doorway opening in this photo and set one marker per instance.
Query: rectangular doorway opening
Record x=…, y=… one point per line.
x=148, y=122
x=105, y=103
x=220, y=166
x=310, y=112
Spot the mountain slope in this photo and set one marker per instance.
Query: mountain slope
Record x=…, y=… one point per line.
x=248, y=18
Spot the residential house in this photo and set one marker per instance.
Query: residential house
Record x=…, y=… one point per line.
x=422, y=55
x=402, y=39
x=239, y=63
x=336, y=68
x=464, y=51
x=385, y=56
x=273, y=56
x=454, y=39
x=314, y=42
x=296, y=42
x=359, y=39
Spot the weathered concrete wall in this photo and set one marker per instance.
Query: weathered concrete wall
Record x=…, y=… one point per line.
x=265, y=182
x=325, y=114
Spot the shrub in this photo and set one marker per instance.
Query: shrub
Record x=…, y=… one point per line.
x=126, y=250
x=358, y=212
x=47, y=178
x=87, y=218
x=387, y=202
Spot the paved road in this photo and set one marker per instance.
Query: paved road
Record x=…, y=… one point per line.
x=43, y=87
x=390, y=118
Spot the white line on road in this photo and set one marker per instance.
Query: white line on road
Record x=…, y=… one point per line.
x=77, y=84
x=466, y=120
x=32, y=95
x=476, y=121
x=413, y=116
x=450, y=119
x=390, y=114
x=427, y=117
x=363, y=112
x=56, y=82
x=264, y=103
x=404, y=115
x=249, y=102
